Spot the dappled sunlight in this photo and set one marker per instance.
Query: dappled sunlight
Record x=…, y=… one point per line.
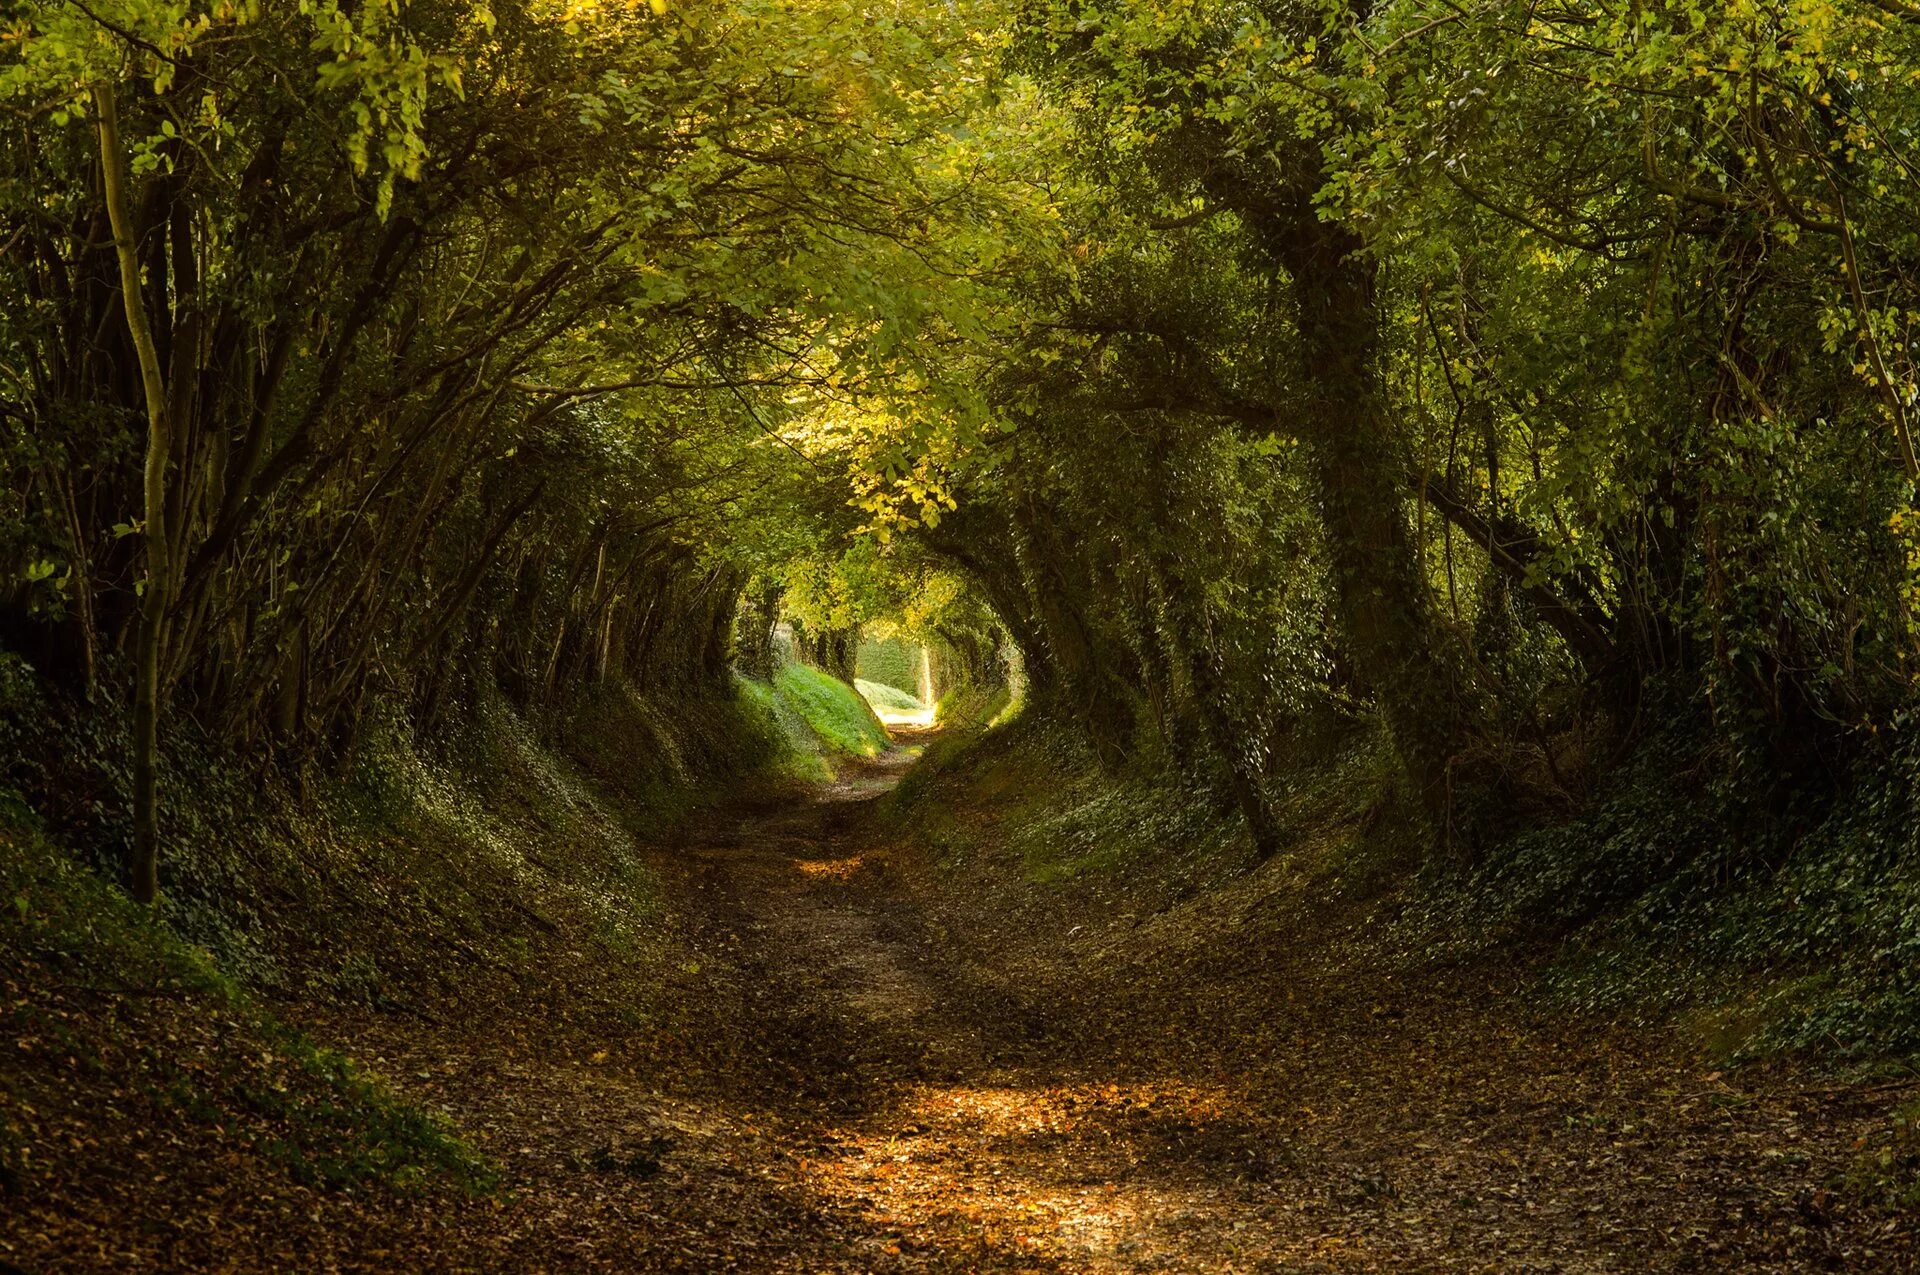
x=1095, y=1175
x=920, y=718
x=999, y=1111
x=830, y=869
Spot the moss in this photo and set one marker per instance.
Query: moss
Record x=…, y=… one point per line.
x=975, y=708
x=833, y=710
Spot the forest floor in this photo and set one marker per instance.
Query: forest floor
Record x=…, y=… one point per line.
x=868, y=1060
x=882, y=1065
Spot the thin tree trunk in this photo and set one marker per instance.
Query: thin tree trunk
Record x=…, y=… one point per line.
x=143, y=867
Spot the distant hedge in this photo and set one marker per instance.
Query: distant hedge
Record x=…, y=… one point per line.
x=892, y=662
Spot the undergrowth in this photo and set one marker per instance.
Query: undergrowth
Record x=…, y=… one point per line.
x=1888, y=1170
x=1759, y=920
x=187, y=1046
x=496, y=871
x=1061, y=816
x=1756, y=922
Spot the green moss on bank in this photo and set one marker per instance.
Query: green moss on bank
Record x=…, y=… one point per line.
x=968, y=709
x=498, y=873
x=1753, y=924
x=120, y=1031
x=833, y=710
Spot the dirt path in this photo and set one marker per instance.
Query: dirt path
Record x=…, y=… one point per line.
x=934, y=1104
x=864, y=1076
x=835, y=1048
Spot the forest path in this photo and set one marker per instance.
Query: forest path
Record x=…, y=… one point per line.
x=923, y=1103
x=865, y=1070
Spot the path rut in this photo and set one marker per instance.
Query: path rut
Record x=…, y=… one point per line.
x=861, y=1080
x=928, y=1101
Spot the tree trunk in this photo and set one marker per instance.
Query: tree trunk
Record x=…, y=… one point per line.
x=757, y=620
x=1190, y=636
x=1382, y=599
x=143, y=865
x=1093, y=674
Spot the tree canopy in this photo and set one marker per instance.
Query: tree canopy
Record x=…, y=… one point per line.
x=1494, y=378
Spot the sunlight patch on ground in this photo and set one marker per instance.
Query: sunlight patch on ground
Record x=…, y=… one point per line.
x=1075, y=1173
x=893, y=706
x=833, y=869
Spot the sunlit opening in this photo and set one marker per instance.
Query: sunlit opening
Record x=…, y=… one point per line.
x=896, y=677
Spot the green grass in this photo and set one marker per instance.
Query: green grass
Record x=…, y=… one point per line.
x=802, y=757
x=881, y=695
x=832, y=709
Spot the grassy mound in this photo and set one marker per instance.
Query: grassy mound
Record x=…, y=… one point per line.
x=1061, y=817
x=970, y=708
x=833, y=710
x=805, y=753
x=880, y=695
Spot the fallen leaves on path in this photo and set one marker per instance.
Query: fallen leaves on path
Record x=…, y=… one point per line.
x=865, y=1062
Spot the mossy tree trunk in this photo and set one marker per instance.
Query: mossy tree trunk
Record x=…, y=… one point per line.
x=143, y=864
x=1384, y=604
x=754, y=629
x=1092, y=674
